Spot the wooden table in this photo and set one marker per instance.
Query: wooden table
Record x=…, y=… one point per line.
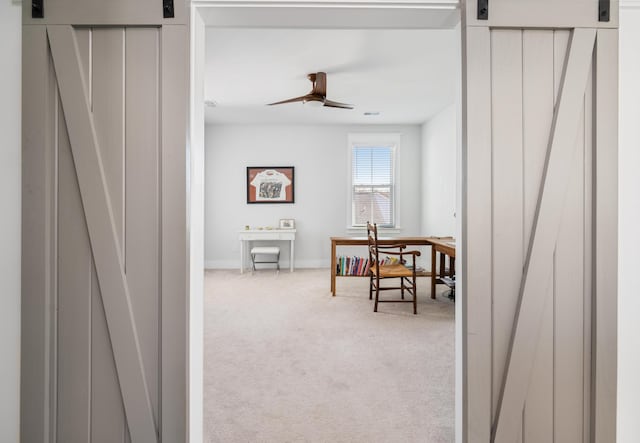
x=445, y=246
x=409, y=241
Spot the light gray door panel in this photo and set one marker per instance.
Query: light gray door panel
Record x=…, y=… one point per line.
x=540, y=139
x=104, y=236
x=102, y=224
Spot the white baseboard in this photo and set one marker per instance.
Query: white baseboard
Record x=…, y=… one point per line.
x=301, y=264
x=222, y=264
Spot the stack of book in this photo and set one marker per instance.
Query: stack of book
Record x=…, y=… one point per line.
x=359, y=266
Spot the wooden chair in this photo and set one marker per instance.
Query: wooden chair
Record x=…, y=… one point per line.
x=398, y=270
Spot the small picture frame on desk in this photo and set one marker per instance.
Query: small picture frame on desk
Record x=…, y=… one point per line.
x=287, y=223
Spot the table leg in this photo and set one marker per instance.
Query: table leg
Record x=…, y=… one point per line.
x=433, y=271
x=291, y=260
x=333, y=268
x=241, y=256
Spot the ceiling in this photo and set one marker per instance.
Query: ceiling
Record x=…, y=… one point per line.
x=405, y=75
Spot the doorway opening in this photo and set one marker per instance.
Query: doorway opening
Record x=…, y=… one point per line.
x=414, y=51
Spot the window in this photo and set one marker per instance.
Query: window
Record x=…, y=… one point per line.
x=373, y=183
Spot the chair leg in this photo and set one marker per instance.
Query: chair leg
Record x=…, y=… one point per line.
x=375, y=305
x=370, y=287
x=402, y=288
x=415, y=298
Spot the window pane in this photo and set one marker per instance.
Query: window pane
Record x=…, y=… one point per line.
x=374, y=204
x=372, y=178
x=372, y=165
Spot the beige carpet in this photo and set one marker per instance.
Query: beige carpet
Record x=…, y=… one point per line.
x=286, y=362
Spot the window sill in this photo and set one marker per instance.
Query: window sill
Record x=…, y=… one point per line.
x=363, y=230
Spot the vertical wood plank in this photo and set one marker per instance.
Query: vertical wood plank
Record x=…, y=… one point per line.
x=84, y=39
x=538, y=413
x=74, y=302
x=606, y=235
x=588, y=262
x=569, y=304
x=538, y=104
x=142, y=194
x=476, y=238
x=548, y=217
x=560, y=55
x=107, y=407
x=37, y=262
x=507, y=190
x=107, y=419
x=107, y=67
x=174, y=66
x=51, y=319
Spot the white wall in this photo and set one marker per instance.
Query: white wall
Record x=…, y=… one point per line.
x=319, y=155
x=439, y=142
x=10, y=105
x=629, y=233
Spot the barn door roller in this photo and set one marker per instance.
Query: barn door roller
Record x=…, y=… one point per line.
x=483, y=9
x=167, y=9
x=603, y=10
x=37, y=9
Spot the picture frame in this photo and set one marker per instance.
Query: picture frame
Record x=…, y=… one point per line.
x=270, y=184
x=287, y=223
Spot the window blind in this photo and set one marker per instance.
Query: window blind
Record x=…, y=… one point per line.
x=372, y=185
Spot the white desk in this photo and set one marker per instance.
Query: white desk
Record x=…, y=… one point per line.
x=248, y=235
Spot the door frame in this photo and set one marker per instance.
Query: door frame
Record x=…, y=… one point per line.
x=604, y=346
x=246, y=13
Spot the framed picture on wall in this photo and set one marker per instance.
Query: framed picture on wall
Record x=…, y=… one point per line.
x=270, y=184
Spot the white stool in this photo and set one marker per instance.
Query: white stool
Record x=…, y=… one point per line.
x=265, y=250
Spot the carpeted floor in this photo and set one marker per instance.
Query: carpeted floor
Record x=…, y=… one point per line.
x=286, y=362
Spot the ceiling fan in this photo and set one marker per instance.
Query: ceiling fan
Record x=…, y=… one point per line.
x=318, y=94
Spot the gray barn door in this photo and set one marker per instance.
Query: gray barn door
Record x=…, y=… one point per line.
x=105, y=93
x=539, y=263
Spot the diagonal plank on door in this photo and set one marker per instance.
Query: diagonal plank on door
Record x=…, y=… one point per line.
x=102, y=233
x=536, y=277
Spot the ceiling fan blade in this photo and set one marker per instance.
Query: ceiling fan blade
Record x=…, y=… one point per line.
x=317, y=94
x=320, y=84
x=291, y=100
x=332, y=104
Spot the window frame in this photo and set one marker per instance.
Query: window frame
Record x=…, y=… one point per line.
x=391, y=140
